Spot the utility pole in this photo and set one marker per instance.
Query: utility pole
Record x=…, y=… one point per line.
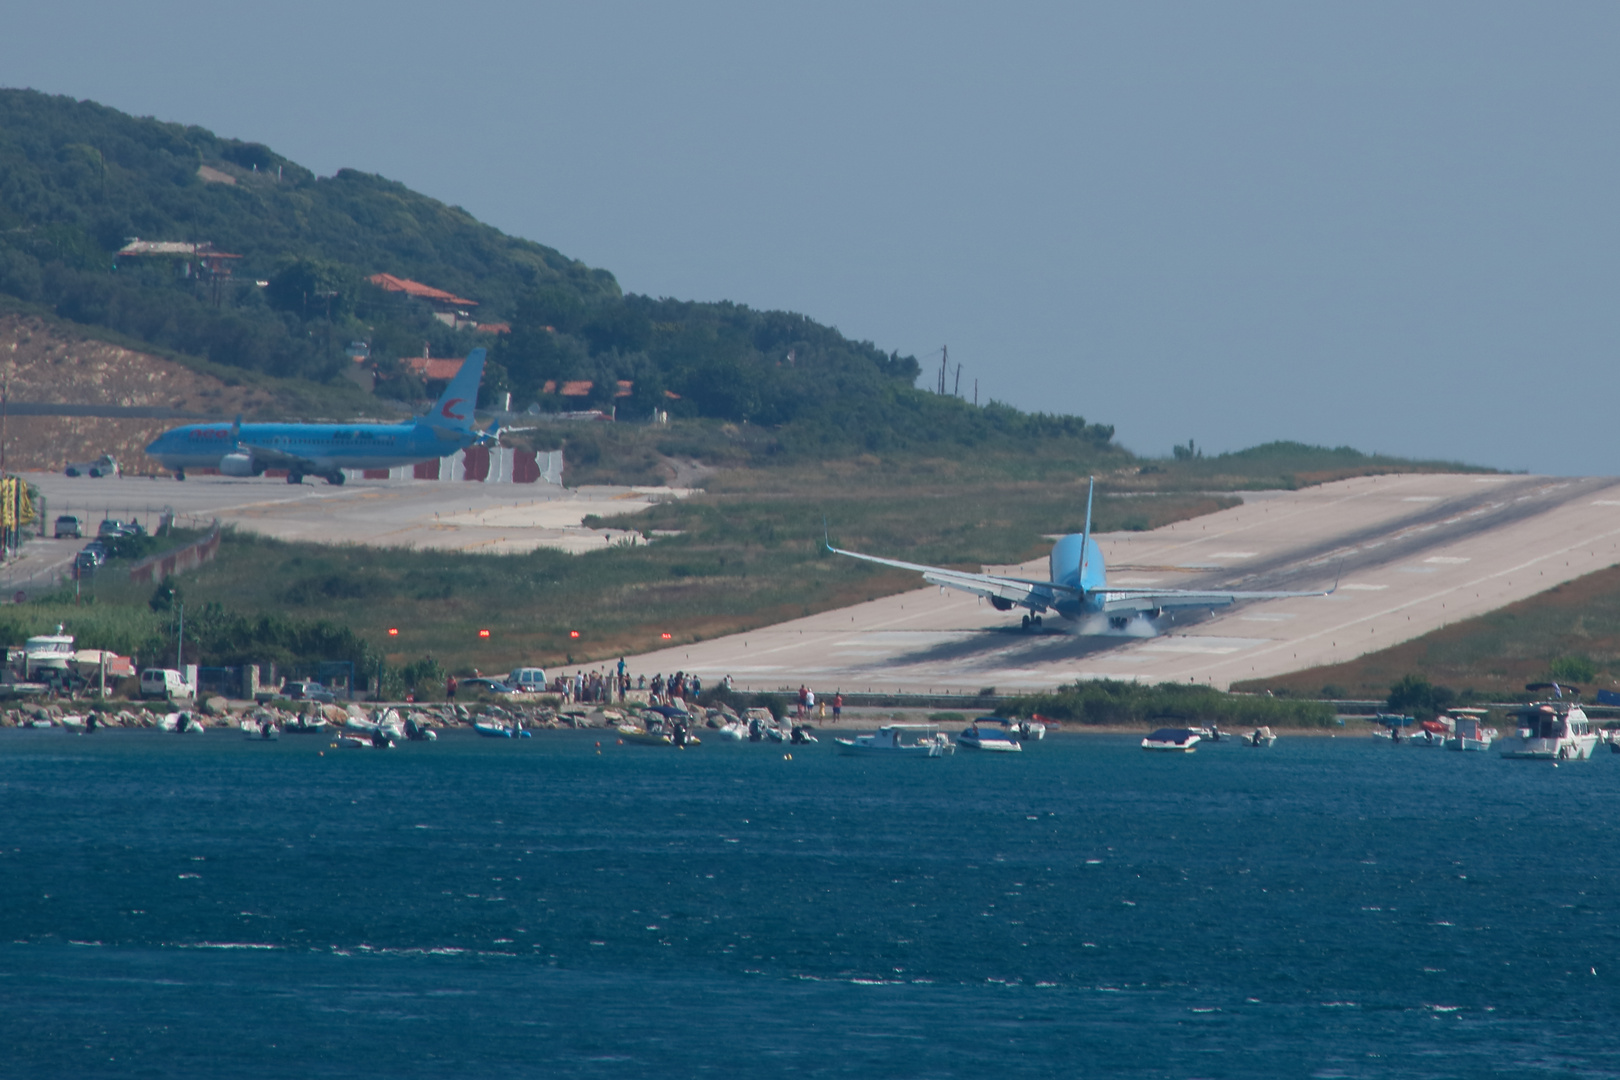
x=957, y=391
x=180, y=644
x=975, y=393
x=944, y=358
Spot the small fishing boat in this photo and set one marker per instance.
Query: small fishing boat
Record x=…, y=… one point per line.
x=1172, y=740
x=74, y=723
x=1261, y=737
x=491, y=729
x=306, y=725
x=890, y=741
x=260, y=730
x=987, y=733
x=801, y=735
x=375, y=741
x=1555, y=730
x=181, y=723
x=735, y=730
x=1469, y=732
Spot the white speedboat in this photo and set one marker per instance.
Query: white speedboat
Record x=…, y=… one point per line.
x=1261, y=737
x=181, y=723
x=260, y=730
x=1551, y=730
x=735, y=730
x=1174, y=740
x=891, y=741
x=1468, y=732
x=988, y=733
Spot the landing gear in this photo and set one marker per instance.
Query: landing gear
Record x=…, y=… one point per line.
x=295, y=478
x=1118, y=622
x=179, y=474
x=1026, y=622
x=336, y=477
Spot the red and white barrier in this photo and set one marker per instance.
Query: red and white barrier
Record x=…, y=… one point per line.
x=504, y=465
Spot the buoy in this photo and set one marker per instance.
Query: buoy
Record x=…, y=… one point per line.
x=621, y=742
x=787, y=757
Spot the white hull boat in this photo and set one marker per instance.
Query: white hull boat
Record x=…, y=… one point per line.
x=890, y=741
x=989, y=737
x=1172, y=740
x=1551, y=731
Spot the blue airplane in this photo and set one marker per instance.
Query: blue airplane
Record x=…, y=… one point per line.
x=325, y=450
x=1078, y=588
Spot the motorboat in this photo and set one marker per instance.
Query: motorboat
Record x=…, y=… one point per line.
x=306, y=725
x=75, y=724
x=417, y=731
x=1551, y=730
x=1174, y=740
x=988, y=733
x=802, y=735
x=490, y=729
x=734, y=730
x=926, y=741
x=1391, y=724
x=1261, y=737
x=658, y=732
x=1032, y=730
x=374, y=741
x=260, y=730
x=48, y=653
x=1431, y=734
x=1469, y=732
x=181, y=723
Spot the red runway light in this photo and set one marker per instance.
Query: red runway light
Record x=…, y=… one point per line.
x=573, y=633
x=483, y=633
x=664, y=636
x=393, y=631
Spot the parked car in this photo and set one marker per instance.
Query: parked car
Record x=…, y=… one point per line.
x=84, y=564
x=112, y=529
x=97, y=549
x=309, y=690
x=529, y=680
x=165, y=683
x=68, y=525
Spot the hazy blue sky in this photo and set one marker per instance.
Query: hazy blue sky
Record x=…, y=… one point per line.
x=1388, y=225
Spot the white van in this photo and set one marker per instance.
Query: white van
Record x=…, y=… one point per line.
x=527, y=680
x=165, y=683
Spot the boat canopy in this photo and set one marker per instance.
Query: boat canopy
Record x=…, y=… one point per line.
x=1172, y=734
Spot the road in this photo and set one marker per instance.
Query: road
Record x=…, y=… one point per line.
x=1410, y=553
x=452, y=516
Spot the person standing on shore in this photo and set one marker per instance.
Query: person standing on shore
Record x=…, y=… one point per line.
x=838, y=706
x=450, y=688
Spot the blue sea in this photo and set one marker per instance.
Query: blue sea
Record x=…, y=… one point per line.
x=204, y=906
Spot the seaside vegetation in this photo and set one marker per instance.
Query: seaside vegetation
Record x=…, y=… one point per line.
x=1115, y=702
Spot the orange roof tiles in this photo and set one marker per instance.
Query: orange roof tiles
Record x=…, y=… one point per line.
x=626, y=388
x=494, y=328
x=390, y=283
x=577, y=388
x=435, y=368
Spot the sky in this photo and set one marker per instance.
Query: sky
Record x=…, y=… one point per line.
x=1385, y=225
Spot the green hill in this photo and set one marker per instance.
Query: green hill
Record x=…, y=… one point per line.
x=78, y=180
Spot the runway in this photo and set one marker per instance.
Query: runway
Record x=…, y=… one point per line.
x=1410, y=553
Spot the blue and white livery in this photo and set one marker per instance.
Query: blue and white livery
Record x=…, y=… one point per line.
x=1077, y=588
x=325, y=450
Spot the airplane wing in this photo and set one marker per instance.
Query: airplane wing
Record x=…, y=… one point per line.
x=274, y=458
x=1036, y=595
x=1141, y=599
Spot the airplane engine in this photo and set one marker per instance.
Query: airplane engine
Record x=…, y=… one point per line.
x=999, y=604
x=237, y=464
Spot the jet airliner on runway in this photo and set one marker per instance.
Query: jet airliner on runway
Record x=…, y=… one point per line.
x=325, y=450
x=1078, y=588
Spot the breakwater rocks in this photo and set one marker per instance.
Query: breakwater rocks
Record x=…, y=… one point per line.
x=218, y=712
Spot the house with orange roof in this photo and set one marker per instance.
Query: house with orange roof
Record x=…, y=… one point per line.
x=450, y=309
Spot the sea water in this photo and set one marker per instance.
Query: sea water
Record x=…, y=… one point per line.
x=207, y=906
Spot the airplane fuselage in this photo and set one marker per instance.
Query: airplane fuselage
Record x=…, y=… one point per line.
x=327, y=446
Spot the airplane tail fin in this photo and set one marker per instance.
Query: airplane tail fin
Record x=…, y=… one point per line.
x=1085, y=536
x=454, y=409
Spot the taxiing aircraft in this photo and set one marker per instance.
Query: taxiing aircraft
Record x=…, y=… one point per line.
x=325, y=450
x=1078, y=589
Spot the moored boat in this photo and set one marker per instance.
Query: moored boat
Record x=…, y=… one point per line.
x=1469, y=732
x=890, y=741
x=1173, y=740
x=1555, y=730
x=1261, y=737
x=988, y=733
x=48, y=653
